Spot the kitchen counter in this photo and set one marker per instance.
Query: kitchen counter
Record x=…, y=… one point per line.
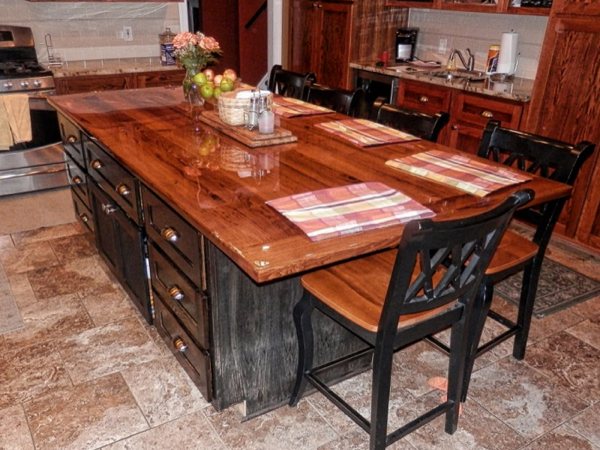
x=110, y=67
x=518, y=89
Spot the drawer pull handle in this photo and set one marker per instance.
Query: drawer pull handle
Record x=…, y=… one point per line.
x=77, y=179
x=176, y=293
x=123, y=190
x=84, y=218
x=487, y=114
x=180, y=345
x=170, y=234
x=108, y=209
x=97, y=164
x=424, y=99
x=71, y=139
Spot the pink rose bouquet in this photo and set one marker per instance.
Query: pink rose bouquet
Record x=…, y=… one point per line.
x=195, y=49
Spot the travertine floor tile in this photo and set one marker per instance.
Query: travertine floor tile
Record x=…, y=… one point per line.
x=86, y=416
x=359, y=440
x=109, y=307
x=283, y=428
x=107, y=349
x=28, y=372
x=73, y=247
x=587, y=424
x=163, y=390
x=6, y=241
x=14, y=432
x=414, y=365
x=56, y=318
x=523, y=398
x=561, y=438
x=569, y=362
x=46, y=233
x=28, y=257
x=192, y=432
x=588, y=331
x=589, y=309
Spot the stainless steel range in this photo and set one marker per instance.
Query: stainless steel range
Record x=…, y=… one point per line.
x=37, y=164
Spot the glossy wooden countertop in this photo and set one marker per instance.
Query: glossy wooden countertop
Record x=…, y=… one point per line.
x=221, y=186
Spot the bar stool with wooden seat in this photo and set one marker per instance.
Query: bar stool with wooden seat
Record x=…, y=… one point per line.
x=351, y=103
x=545, y=157
x=397, y=297
x=425, y=126
x=290, y=84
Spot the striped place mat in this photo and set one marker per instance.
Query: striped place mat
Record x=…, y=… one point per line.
x=365, y=133
x=348, y=209
x=292, y=107
x=469, y=174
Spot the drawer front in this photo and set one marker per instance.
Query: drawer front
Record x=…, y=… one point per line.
x=424, y=97
x=116, y=181
x=180, y=295
x=84, y=214
x=78, y=180
x=478, y=110
x=160, y=78
x=195, y=361
x=71, y=138
x=175, y=236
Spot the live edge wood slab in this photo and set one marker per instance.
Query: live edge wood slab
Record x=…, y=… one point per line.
x=254, y=255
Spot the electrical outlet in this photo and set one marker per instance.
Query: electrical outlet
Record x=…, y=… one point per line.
x=442, y=46
x=127, y=34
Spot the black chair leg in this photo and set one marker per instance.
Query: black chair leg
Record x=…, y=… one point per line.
x=531, y=276
x=380, y=395
x=459, y=343
x=481, y=308
x=303, y=322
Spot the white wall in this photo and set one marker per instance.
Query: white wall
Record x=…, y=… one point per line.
x=88, y=30
x=478, y=31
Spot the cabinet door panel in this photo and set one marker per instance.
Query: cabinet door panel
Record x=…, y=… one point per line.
x=423, y=97
x=304, y=21
x=334, y=45
x=465, y=137
x=477, y=110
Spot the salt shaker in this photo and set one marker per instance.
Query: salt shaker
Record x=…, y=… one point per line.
x=251, y=116
x=266, y=121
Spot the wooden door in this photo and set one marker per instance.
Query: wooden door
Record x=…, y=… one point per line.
x=566, y=105
x=253, y=40
x=304, y=35
x=220, y=20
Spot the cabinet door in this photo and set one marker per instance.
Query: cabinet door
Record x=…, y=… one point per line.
x=423, y=97
x=582, y=7
x=333, y=52
x=304, y=21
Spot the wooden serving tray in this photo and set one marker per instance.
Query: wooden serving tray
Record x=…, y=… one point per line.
x=250, y=138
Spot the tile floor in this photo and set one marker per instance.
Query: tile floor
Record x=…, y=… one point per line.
x=85, y=372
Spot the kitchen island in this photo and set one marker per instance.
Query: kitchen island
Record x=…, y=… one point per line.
x=199, y=198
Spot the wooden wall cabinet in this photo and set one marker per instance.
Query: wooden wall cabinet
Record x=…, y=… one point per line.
x=321, y=39
x=501, y=6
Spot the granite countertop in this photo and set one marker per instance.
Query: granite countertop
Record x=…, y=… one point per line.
x=109, y=67
x=518, y=89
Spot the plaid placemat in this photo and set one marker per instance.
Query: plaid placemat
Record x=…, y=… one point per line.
x=348, y=209
x=365, y=133
x=469, y=174
x=292, y=107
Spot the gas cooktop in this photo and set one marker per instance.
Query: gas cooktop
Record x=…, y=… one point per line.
x=20, y=69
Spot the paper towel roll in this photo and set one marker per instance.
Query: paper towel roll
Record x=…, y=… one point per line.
x=507, y=60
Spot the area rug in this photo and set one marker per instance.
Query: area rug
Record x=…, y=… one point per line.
x=559, y=287
x=10, y=318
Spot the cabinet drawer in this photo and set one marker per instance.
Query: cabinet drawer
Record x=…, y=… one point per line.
x=84, y=214
x=424, y=97
x=195, y=361
x=184, y=299
x=78, y=180
x=478, y=110
x=71, y=138
x=175, y=236
x=116, y=181
x=160, y=78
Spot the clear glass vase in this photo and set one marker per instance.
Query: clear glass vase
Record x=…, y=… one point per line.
x=190, y=71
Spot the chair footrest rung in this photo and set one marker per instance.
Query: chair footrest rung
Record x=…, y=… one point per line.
x=438, y=344
x=495, y=341
x=501, y=319
x=351, y=357
x=418, y=422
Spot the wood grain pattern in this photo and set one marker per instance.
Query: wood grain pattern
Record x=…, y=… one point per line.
x=150, y=132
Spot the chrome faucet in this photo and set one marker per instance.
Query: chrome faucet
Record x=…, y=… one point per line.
x=469, y=64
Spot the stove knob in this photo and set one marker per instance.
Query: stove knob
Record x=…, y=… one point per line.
x=37, y=83
x=8, y=85
x=25, y=84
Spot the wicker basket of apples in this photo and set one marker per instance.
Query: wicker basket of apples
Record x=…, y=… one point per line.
x=234, y=105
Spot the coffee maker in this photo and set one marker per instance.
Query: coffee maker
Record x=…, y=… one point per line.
x=406, y=44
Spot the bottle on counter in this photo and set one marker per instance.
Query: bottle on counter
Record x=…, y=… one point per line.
x=492, y=59
x=167, y=58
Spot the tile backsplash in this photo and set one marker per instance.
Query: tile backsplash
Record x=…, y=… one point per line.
x=93, y=30
x=478, y=31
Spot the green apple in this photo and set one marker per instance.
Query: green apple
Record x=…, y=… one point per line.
x=200, y=79
x=217, y=92
x=226, y=84
x=207, y=90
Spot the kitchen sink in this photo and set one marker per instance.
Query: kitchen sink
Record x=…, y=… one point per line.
x=469, y=75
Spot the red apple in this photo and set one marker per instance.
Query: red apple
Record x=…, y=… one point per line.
x=230, y=73
x=218, y=79
x=210, y=74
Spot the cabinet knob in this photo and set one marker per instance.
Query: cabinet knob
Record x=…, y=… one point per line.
x=77, y=179
x=423, y=99
x=319, y=5
x=108, y=208
x=97, y=164
x=487, y=114
x=454, y=127
x=84, y=218
x=176, y=293
x=169, y=234
x=180, y=345
x=71, y=139
x=123, y=190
